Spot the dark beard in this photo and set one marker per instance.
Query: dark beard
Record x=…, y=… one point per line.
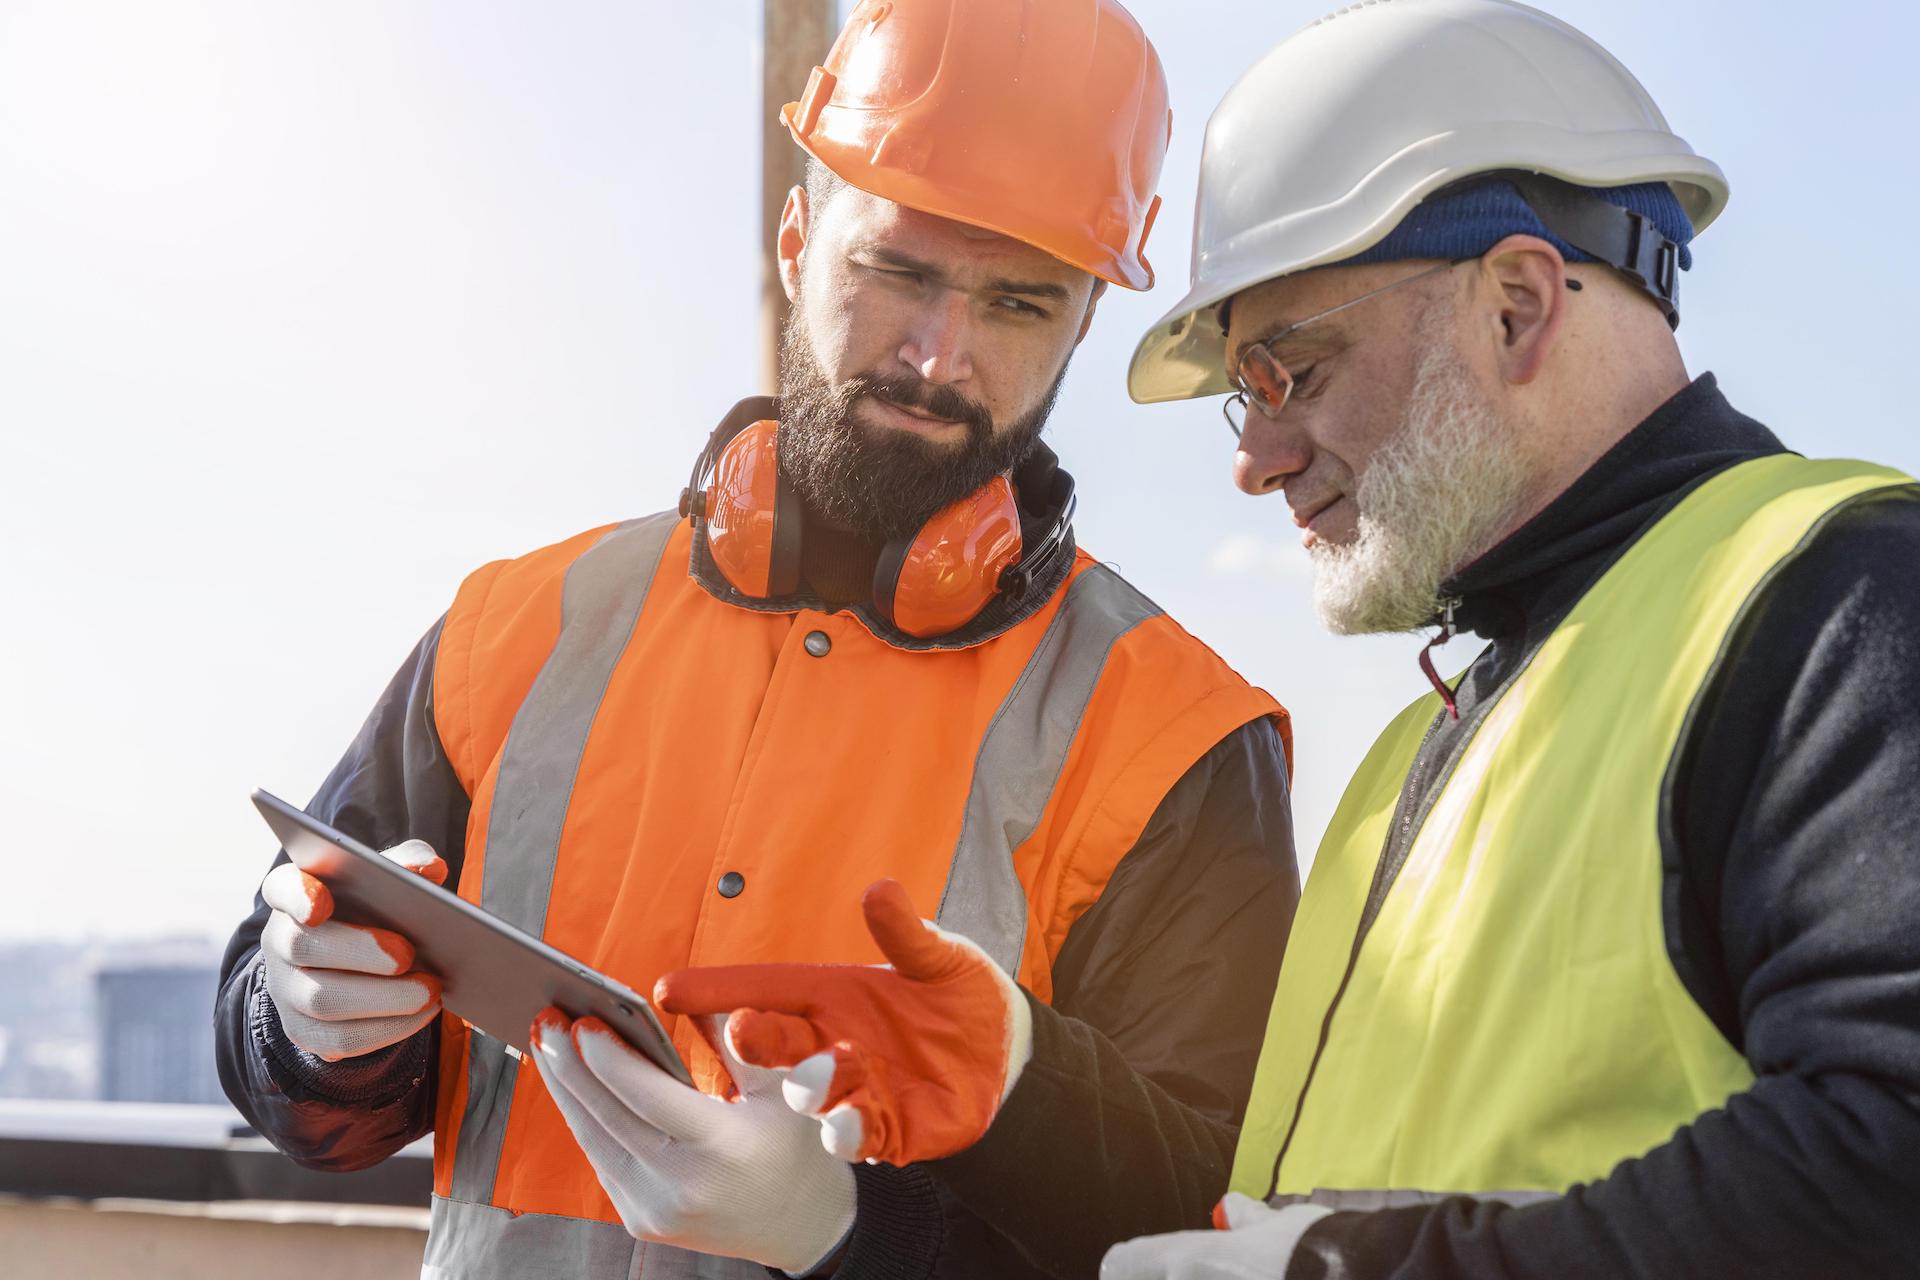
x=879, y=483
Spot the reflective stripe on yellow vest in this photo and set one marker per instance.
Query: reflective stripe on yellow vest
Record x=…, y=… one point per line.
x=628, y=740
x=1512, y=1024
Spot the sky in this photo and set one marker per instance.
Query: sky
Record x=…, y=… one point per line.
x=308, y=310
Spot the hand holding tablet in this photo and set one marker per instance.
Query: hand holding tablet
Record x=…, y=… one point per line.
x=412, y=932
x=343, y=990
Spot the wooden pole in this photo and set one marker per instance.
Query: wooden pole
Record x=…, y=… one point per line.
x=795, y=38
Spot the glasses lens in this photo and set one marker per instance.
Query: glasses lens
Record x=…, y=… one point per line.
x=1265, y=379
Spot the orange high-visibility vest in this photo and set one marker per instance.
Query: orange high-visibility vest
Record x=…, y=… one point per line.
x=661, y=778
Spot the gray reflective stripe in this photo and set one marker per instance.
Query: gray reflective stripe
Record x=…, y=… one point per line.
x=599, y=603
x=477, y=1241
x=483, y=1123
x=473, y=1240
x=1367, y=1199
x=1021, y=757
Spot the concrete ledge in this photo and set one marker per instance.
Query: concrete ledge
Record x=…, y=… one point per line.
x=135, y=1240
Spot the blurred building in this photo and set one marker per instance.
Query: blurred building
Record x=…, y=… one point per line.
x=119, y=1021
x=47, y=1031
x=121, y=1160
x=155, y=1019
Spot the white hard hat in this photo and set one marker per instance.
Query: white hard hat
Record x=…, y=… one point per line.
x=1321, y=149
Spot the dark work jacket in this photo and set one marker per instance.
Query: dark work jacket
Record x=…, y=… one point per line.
x=1201, y=904
x=1791, y=909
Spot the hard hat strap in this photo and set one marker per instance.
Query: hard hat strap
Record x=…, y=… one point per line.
x=1627, y=241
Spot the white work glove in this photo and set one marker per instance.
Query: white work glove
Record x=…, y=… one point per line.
x=1256, y=1244
x=742, y=1179
x=343, y=989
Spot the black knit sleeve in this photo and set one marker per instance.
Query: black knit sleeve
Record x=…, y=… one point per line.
x=394, y=783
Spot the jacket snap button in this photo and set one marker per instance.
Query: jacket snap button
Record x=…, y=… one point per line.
x=819, y=643
x=731, y=884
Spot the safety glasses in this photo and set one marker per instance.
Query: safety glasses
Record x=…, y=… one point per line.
x=1264, y=383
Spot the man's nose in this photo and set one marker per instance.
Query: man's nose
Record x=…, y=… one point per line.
x=938, y=348
x=1271, y=450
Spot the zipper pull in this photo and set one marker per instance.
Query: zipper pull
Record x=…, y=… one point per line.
x=1445, y=634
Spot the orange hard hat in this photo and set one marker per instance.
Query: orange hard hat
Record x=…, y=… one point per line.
x=1043, y=120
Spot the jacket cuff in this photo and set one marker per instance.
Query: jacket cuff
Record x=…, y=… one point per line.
x=373, y=1080
x=899, y=1225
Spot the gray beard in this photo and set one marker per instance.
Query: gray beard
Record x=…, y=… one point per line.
x=1433, y=499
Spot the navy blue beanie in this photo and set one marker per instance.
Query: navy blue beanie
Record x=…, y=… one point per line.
x=1468, y=222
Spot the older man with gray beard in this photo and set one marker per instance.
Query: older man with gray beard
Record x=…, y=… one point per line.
x=1607, y=964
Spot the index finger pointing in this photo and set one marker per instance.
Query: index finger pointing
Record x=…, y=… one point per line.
x=780, y=988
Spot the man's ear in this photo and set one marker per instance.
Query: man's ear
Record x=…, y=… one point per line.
x=1093, y=300
x=1527, y=280
x=792, y=241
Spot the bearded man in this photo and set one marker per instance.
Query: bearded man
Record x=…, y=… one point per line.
x=866, y=645
x=1607, y=964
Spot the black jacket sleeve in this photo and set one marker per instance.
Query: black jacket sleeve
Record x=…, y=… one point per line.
x=1124, y=1120
x=393, y=784
x=1793, y=888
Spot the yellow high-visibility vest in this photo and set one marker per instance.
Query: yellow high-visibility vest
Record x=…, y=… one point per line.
x=1511, y=1023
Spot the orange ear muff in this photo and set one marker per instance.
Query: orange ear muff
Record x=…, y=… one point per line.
x=752, y=516
x=936, y=581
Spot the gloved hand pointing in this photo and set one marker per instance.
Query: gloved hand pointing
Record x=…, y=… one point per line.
x=901, y=1062
x=342, y=989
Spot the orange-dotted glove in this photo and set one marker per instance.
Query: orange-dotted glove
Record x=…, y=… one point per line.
x=900, y=1062
x=341, y=989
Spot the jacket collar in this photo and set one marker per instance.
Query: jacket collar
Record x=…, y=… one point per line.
x=1691, y=437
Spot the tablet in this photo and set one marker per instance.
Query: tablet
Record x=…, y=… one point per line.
x=497, y=977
